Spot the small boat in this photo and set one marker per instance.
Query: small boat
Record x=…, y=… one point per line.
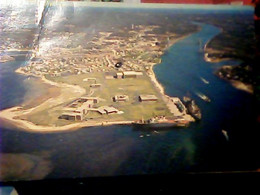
x=225, y=134
x=203, y=97
x=204, y=80
x=141, y=136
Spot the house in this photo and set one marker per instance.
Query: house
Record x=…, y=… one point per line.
x=148, y=98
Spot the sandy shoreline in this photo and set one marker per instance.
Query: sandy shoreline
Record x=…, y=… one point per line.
x=237, y=84
x=10, y=113
x=242, y=86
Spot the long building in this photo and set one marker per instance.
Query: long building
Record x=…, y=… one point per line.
x=148, y=98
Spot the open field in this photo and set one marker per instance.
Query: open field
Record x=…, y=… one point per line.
x=133, y=109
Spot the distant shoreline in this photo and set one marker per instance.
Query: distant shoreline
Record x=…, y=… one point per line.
x=235, y=83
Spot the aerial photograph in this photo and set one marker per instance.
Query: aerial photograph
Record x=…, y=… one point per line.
x=93, y=89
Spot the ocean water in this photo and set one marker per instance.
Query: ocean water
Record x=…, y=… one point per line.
x=119, y=150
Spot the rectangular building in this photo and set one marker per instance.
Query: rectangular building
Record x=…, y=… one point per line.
x=72, y=116
x=120, y=98
x=131, y=74
x=148, y=98
x=95, y=100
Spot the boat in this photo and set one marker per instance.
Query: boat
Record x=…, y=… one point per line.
x=225, y=134
x=204, y=80
x=203, y=97
x=192, y=108
x=160, y=122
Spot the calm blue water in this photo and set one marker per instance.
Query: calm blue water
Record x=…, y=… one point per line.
x=118, y=150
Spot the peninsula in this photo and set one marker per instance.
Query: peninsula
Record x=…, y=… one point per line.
x=108, y=80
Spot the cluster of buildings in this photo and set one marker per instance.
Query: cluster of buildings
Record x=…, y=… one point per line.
x=67, y=53
x=76, y=110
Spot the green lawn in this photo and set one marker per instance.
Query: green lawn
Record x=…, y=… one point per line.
x=133, y=109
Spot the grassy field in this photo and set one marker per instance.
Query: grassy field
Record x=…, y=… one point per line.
x=133, y=87
x=132, y=109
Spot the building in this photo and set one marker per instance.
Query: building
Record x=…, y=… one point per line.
x=83, y=109
x=72, y=116
x=132, y=74
x=100, y=110
x=106, y=110
x=120, y=98
x=128, y=74
x=148, y=98
x=119, y=75
x=76, y=110
x=95, y=100
x=96, y=85
x=110, y=110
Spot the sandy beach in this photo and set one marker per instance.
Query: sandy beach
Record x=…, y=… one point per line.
x=10, y=113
